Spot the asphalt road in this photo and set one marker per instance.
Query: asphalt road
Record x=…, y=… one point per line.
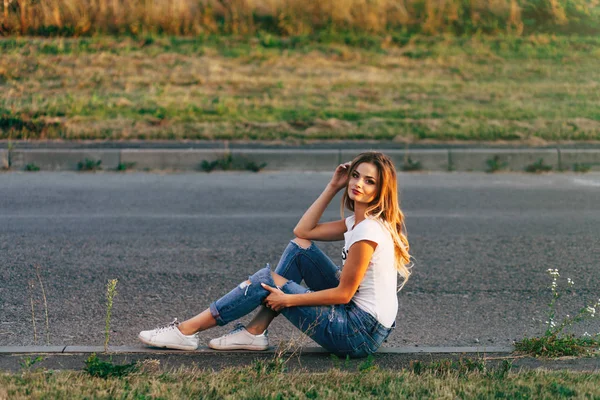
x=175, y=242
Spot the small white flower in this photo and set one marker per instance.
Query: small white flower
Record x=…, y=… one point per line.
x=591, y=310
x=552, y=324
x=585, y=334
x=570, y=282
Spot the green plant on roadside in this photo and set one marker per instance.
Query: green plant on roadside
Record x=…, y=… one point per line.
x=89, y=165
x=28, y=362
x=502, y=371
x=337, y=363
x=31, y=167
x=410, y=165
x=111, y=291
x=125, y=166
x=254, y=167
x=538, y=167
x=241, y=382
x=494, y=164
x=581, y=167
x=368, y=364
x=445, y=367
x=208, y=166
x=225, y=162
x=276, y=365
x=554, y=343
x=228, y=162
x=106, y=369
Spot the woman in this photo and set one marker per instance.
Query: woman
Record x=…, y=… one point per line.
x=348, y=312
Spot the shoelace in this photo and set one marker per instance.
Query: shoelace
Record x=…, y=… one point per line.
x=168, y=327
x=238, y=327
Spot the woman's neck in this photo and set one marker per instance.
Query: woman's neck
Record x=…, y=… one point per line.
x=359, y=213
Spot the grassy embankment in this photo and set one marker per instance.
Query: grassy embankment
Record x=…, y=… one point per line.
x=253, y=383
x=531, y=89
x=301, y=70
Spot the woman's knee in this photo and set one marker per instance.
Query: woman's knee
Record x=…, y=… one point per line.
x=304, y=243
x=278, y=279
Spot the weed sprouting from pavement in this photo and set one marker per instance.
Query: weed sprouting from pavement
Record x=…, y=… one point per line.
x=494, y=164
x=581, y=168
x=208, y=166
x=111, y=291
x=125, y=166
x=28, y=362
x=31, y=167
x=538, y=167
x=228, y=162
x=89, y=165
x=553, y=343
x=368, y=364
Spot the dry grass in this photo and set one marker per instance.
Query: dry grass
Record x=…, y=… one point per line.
x=540, y=88
x=293, y=17
x=254, y=382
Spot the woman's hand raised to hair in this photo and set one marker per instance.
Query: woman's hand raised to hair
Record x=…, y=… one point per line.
x=340, y=176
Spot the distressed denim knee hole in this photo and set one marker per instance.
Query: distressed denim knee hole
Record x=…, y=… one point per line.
x=300, y=246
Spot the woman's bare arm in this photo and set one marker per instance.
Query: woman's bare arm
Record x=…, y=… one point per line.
x=308, y=227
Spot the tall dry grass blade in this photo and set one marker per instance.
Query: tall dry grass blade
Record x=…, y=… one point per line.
x=30, y=288
x=111, y=291
x=39, y=276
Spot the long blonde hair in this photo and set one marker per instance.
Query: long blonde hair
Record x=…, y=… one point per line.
x=385, y=207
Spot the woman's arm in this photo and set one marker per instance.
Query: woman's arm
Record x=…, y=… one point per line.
x=308, y=227
x=354, y=270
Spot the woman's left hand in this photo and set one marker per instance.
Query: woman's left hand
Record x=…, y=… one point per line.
x=276, y=300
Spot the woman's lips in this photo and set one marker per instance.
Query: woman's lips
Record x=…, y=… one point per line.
x=356, y=191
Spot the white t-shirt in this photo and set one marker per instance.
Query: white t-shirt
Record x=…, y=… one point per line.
x=377, y=292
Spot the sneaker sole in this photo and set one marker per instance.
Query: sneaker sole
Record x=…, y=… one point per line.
x=164, y=346
x=238, y=347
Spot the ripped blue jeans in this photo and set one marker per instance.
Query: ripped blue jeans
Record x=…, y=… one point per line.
x=343, y=329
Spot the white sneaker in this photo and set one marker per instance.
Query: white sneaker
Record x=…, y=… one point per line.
x=169, y=337
x=240, y=339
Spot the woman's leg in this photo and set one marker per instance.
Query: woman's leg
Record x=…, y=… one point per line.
x=205, y=320
x=301, y=260
x=200, y=322
x=297, y=264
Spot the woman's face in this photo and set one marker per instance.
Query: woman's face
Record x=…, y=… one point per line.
x=363, y=185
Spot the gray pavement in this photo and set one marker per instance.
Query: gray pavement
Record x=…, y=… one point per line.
x=482, y=244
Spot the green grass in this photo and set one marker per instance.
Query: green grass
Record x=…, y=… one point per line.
x=257, y=382
x=551, y=346
x=520, y=89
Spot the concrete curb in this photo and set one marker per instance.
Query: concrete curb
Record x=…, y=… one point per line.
x=204, y=349
x=308, y=360
x=283, y=159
